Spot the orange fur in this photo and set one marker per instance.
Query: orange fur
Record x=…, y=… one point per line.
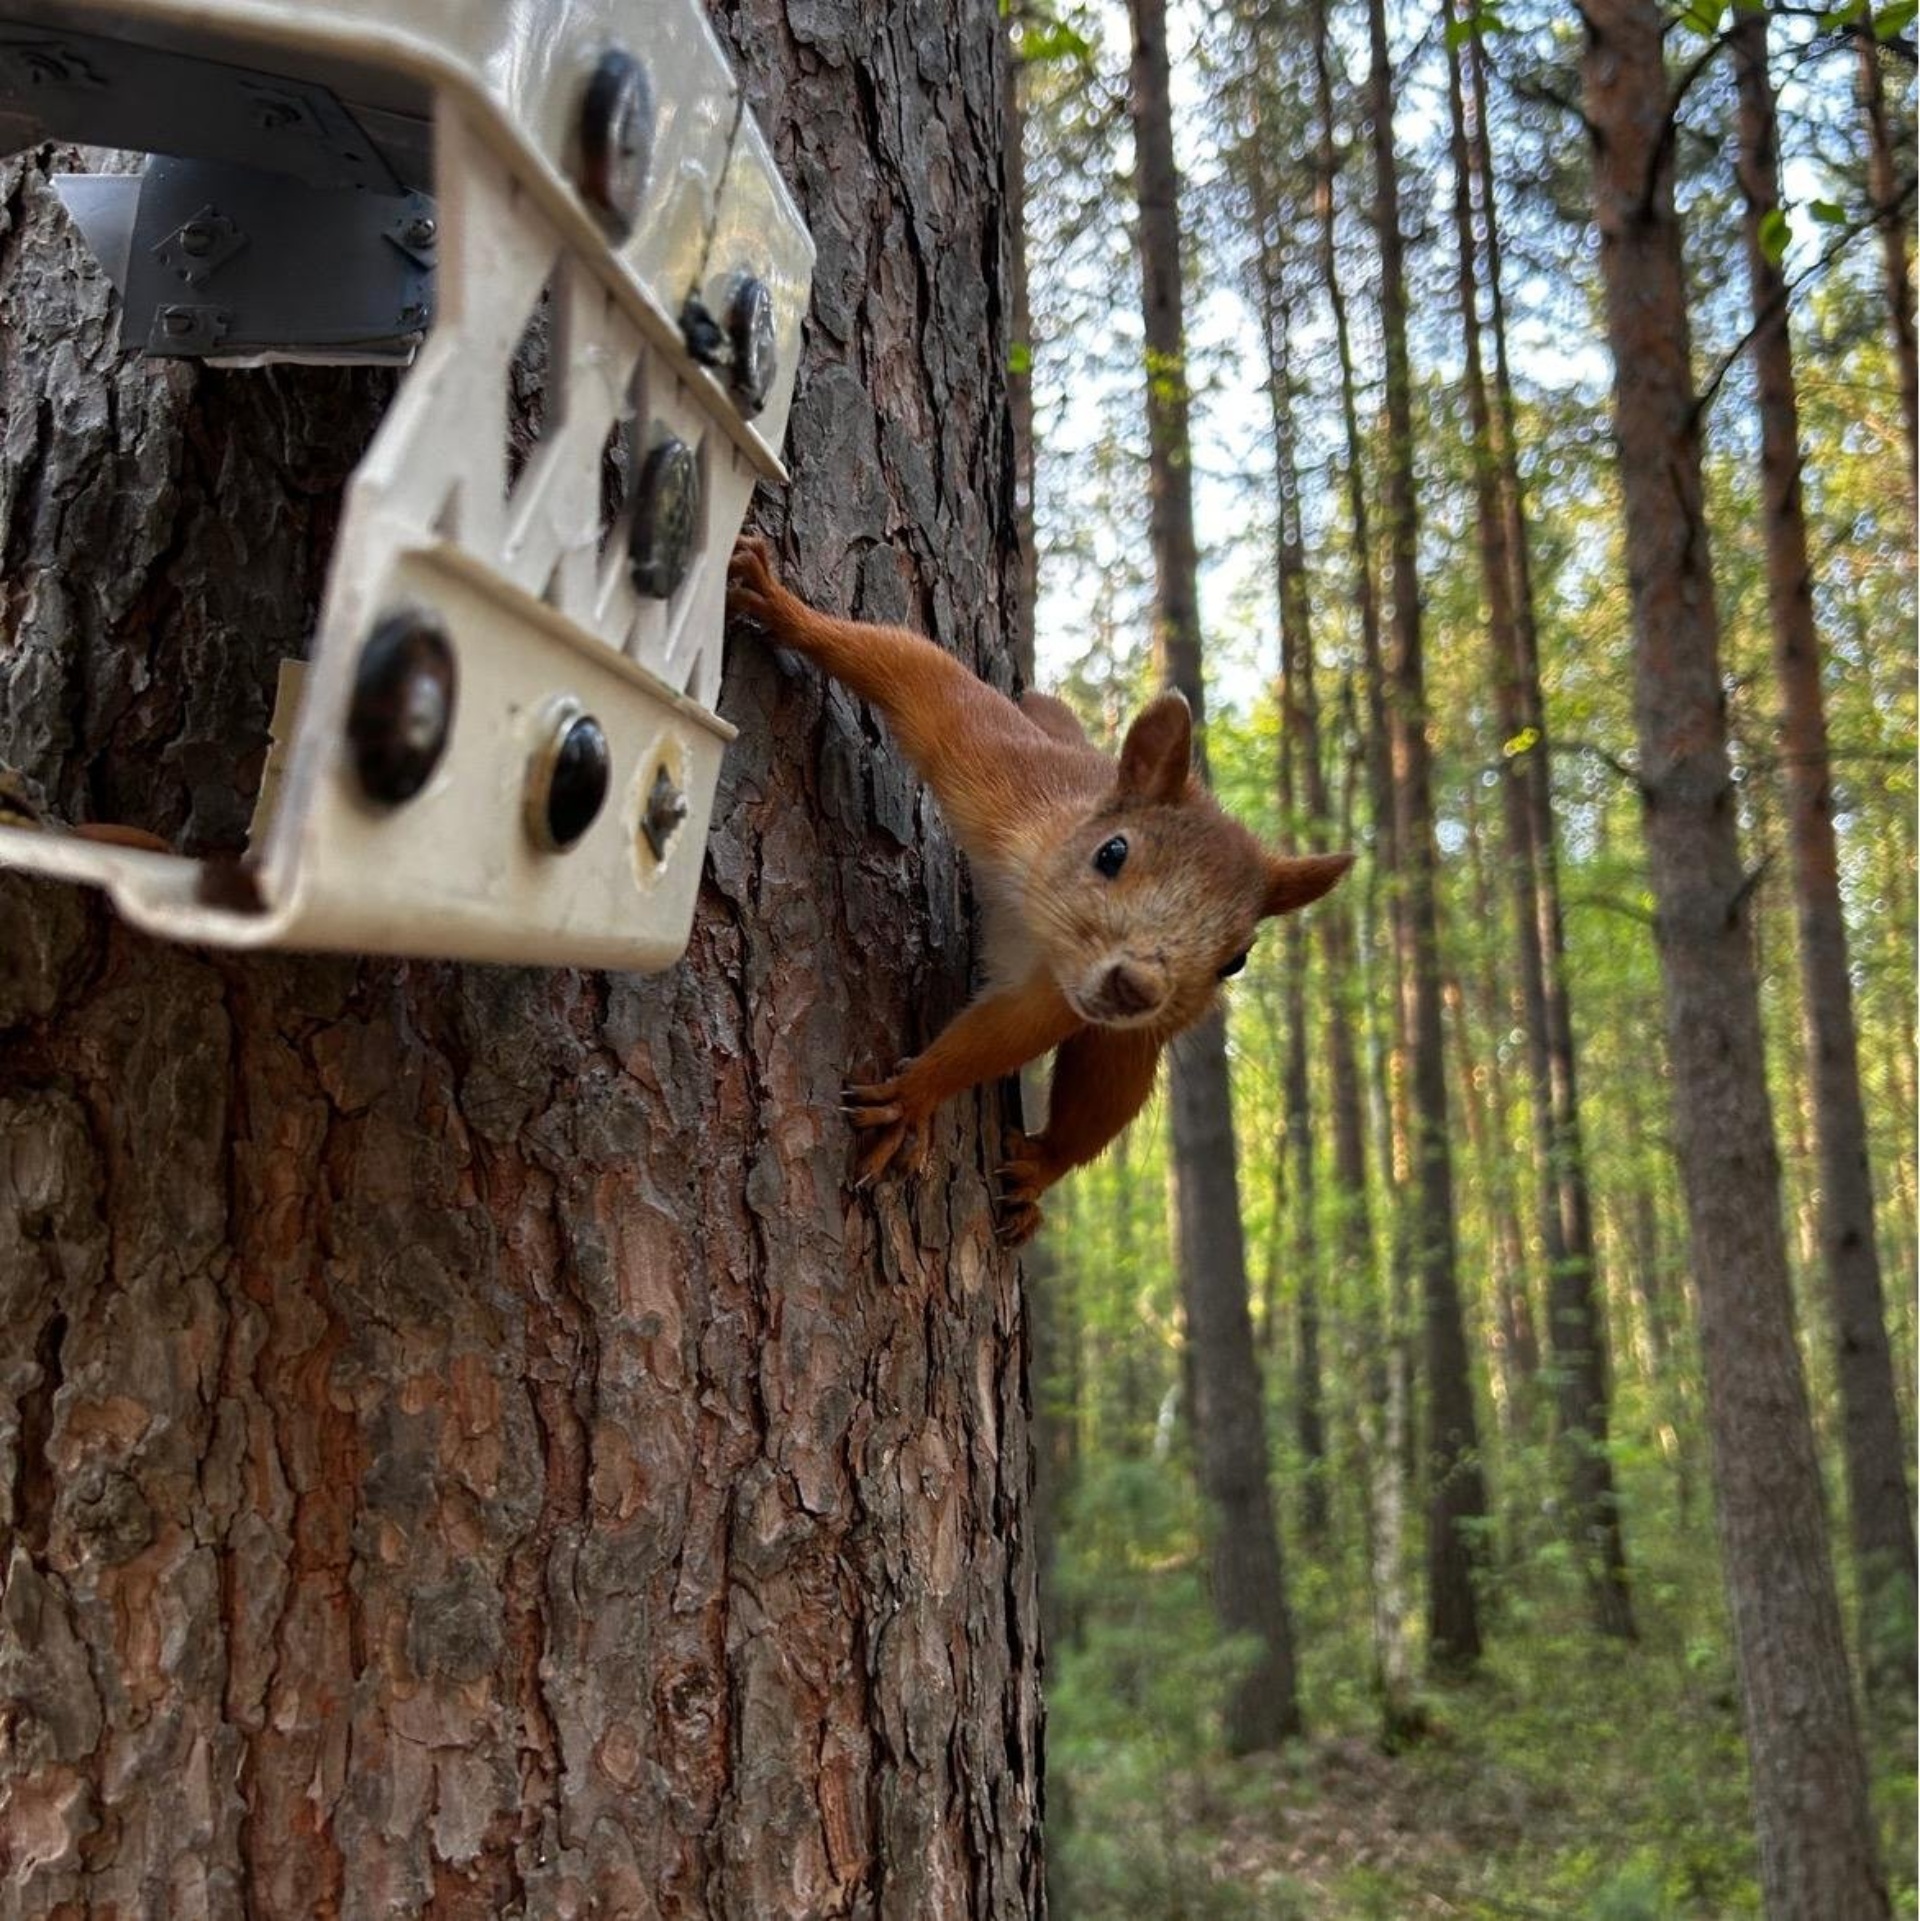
x=1106, y=966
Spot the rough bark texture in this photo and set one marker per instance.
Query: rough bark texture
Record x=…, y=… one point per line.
x=462, y=1449
x=1817, y=1853
x=1249, y=1590
x=1878, y=1505
x=1576, y=1326
x=1456, y=1485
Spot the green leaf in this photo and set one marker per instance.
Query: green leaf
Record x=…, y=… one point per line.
x=1776, y=231
x=1828, y=212
x=1843, y=16
x=1527, y=737
x=1020, y=358
x=1703, y=16
x=1045, y=43
x=1891, y=22
x=1459, y=32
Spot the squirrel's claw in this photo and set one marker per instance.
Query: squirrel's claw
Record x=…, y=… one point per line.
x=898, y=1135
x=753, y=590
x=1019, y=1222
x=1024, y=1176
x=901, y=1145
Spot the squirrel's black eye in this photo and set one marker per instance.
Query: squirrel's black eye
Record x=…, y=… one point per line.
x=1234, y=966
x=1112, y=856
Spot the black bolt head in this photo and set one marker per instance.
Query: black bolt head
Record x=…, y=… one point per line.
x=750, y=333
x=576, y=773
x=666, y=519
x=401, y=714
x=616, y=138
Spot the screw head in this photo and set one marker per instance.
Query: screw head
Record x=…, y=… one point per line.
x=666, y=519
x=756, y=357
x=401, y=714
x=616, y=138
x=667, y=808
x=422, y=231
x=196, y=239
x=177, y=321
x=569, y=781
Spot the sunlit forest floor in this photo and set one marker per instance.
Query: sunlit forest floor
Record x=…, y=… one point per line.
x=1571, y=1779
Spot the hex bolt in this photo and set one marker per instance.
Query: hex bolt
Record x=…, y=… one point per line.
x=756, y=356
x=401, y=715
x=667, y=807
x=421, y=231
x=616, y=138
x=666, y=519
x=569, y=780
x=196, y=239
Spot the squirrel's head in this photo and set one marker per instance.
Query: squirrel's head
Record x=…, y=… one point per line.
x=1154, y=898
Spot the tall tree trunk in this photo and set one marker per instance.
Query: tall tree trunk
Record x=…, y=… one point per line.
x=1893, y=211
x=1576, y=1329
x=1248, y=1586
x=1456, y=1490
x=1484, y=1105
x=1303, y=814
x=1878, y=1504
x=1817, y=1850
x=466, y=1450
x=1384, y=1402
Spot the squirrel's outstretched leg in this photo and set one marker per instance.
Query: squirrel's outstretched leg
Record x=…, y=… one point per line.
x=995, y=1036
x=1102, y=1077
x=959, y=732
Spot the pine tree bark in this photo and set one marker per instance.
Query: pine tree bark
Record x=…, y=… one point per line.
x=1383, y=1408
x=1249, y=1590
x=1456, y=1485
x=463, y=1450
x=1817, y=1847
x=1879, y=1508
x=1576, y=1326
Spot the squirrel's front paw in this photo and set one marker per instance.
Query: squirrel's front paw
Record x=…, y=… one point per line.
x=1025, y=1175
x=883, y=1110
x=753, y=589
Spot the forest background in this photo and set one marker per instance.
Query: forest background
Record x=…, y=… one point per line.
x=1589, y=1759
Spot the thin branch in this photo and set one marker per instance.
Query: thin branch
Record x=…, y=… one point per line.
x=1782, y=302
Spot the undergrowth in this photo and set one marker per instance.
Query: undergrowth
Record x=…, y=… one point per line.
x=1570, y=1778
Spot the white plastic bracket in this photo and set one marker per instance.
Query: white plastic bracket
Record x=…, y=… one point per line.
x=439, y=794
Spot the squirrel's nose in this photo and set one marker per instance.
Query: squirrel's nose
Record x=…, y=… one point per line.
x=1128, y=990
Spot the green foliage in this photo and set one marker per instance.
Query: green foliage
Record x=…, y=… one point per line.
x=1572, y=1779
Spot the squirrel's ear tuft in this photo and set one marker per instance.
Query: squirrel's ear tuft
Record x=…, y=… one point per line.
x=1157, y=758
x=1293, y=883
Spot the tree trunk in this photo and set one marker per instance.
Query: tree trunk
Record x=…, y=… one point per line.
x=1249, y=1591
x=1878, y=1504
x=1576, y=1329
x=1893, y=211
x=1303, y=800
x=1383, y=1406
x=1456, y=1486
x=465, y=1450
x=1817, y=1850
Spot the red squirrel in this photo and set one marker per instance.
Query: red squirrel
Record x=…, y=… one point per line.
x=1117, y=896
